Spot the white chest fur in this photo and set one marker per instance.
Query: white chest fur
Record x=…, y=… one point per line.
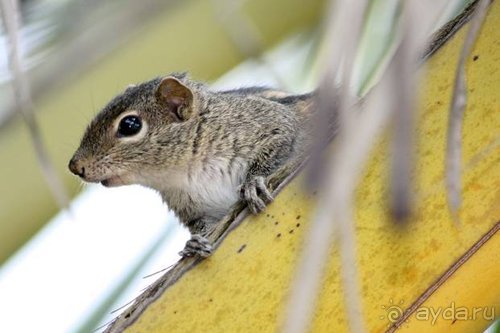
x=207, y=190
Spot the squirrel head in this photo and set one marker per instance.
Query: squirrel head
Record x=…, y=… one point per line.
x=125, y=139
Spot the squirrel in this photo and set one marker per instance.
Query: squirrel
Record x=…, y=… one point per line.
x=202, y=150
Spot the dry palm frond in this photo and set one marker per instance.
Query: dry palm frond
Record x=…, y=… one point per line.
x=333, y=214
x=358, y=131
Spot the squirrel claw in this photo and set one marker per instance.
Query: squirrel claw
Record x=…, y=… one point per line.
x=197, y=245
x=256, y=194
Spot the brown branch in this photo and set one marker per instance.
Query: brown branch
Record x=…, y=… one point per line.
x=232, y=220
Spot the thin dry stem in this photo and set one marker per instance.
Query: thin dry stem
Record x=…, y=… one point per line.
x=157, y=272
x=403, y=111
x=334, y=212
x=455, y=120
x=337, y=201
x=417, y=21
x=10, y=18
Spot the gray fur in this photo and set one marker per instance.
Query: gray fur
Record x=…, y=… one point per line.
x=234, y=139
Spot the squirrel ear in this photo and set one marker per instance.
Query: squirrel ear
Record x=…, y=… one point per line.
x=176, y=96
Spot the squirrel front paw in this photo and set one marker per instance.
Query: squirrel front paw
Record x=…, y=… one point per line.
x=197, y=245
x=256, y=194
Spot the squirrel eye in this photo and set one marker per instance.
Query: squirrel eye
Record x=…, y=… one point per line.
x=129, y=125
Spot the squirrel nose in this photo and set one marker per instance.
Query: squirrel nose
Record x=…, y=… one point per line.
x=76, y=167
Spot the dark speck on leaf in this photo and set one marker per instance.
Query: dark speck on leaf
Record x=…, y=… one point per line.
x=278, y=235
x=298, y=217
x=298, y=225
x=291, y=231
x=276, y=223
x=475, y=57
x=242, y=248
